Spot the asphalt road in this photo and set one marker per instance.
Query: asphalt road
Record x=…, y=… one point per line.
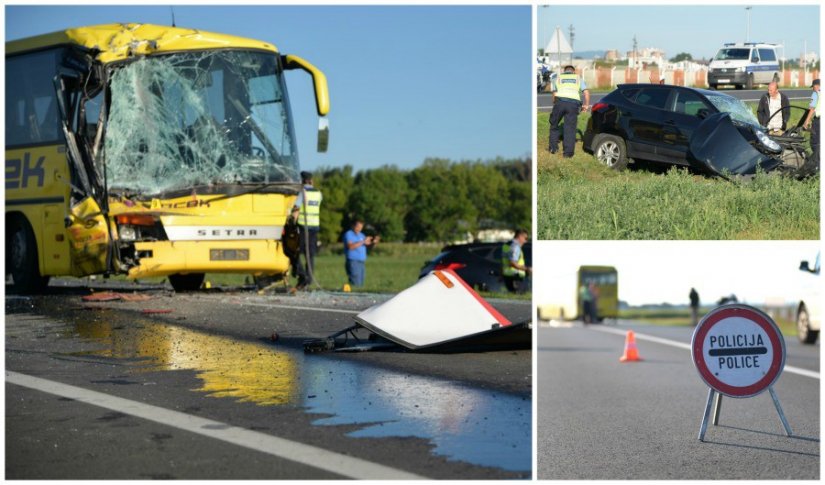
x=598, y=418
x=216, y=385
x=545, y=100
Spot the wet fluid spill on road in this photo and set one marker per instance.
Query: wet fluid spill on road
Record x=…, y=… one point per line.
x=463, y=423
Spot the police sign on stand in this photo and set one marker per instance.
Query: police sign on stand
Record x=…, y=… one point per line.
x=739, y=352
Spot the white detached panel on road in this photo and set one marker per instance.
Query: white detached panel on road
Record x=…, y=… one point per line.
x=439, y=308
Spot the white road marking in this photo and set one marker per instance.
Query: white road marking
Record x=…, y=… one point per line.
x=673, y=343
x=318, y=458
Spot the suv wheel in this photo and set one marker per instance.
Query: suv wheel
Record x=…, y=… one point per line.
x=610, y=150
x=803, y=327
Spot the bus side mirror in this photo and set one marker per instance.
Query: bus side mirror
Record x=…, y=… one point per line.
x=803, y=266
x=319, y=81
x=323, y=135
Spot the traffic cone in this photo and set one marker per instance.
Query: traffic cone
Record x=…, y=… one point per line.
x=631, y=353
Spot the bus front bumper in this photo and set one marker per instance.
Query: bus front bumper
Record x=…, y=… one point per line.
x=162, y=258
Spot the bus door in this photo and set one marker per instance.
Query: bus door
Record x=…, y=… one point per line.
x=90, y=241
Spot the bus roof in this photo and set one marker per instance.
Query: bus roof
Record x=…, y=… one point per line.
x=605, y=269
x=120, y=41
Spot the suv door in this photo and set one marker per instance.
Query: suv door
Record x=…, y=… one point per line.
x=643, y=122
x=685, y=113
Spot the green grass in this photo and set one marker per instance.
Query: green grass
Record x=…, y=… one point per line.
x=680, y=317
x=579, y=198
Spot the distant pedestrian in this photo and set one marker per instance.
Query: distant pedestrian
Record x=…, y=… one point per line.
x=586, y=299
x=812, y=121
x=694, y=306
x=513, y=268
x=769, y=104
x=567, y=91
x=355, y=252
x=307, y=209
x=594, y=302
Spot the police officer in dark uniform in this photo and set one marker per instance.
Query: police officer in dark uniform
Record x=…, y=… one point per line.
x=567, y=102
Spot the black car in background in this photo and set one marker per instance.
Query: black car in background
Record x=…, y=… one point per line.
x=479, y=264
x=710, y=131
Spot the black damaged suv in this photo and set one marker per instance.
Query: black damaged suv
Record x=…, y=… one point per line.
x=713, y=132
x=478, y=264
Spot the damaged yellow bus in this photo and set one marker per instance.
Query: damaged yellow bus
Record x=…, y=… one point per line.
x=147, y=150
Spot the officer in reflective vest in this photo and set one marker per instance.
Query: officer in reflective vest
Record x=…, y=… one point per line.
x=567, y=103
x=308, y=210
x=812, y=121
x=513, y=267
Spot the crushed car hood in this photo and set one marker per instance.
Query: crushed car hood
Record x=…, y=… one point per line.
x=718, y=147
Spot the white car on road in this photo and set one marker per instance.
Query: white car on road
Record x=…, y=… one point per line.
x=808, y=313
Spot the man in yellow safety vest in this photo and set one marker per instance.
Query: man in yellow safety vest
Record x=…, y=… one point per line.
x=567, y=91
x=308, y=209
x=812, y=121
x=513, y=267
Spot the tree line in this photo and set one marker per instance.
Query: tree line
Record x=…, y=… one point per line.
x=439, y=201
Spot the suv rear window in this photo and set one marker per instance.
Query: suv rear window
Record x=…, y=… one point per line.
x=653, y=98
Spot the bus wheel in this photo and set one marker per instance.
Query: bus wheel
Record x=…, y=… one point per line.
x=22, y=263
x=186, y=282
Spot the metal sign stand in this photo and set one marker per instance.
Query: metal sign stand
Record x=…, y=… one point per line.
x=717, y=408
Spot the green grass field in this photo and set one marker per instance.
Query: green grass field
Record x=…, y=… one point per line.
x=579, y=198
x=681, y=317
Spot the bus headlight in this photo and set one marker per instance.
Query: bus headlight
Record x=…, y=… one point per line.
x=127, y=233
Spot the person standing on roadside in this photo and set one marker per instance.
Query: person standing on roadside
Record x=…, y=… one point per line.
x=694, y=306
x=812, y=121
x=567, y=91
x=513, y=267
x=355, y=252
x=307, y=209
x=769, y=104
x=586, y=299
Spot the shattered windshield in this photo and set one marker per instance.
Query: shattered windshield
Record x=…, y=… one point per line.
x=198, y=118
x=738, y=110
x=733, y=54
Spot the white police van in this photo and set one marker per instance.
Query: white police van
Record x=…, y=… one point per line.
x=744, y=65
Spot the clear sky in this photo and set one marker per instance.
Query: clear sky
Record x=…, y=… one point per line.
x=405, y=83
x=664, y=271
x=697, y=29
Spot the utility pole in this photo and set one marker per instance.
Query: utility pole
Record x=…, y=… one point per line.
x=635, y=55
x=748, y=31
x=572, y=36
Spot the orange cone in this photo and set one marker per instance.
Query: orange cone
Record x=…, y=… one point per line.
x=631, y=353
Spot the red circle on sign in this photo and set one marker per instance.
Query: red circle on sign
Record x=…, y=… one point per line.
x=755, y=316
